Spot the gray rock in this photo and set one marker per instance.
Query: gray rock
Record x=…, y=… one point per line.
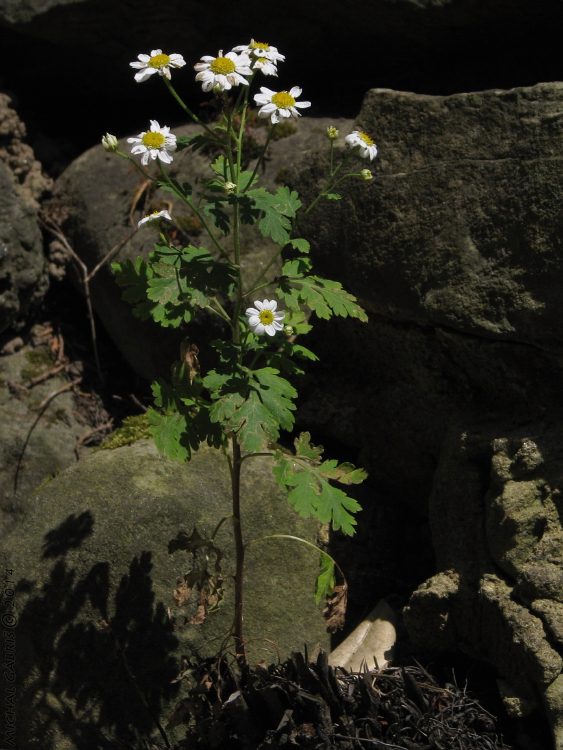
x=98, y=191
x=461, y=224
x=22, y=11
x=23, y=270
x=23, y=274
x=495, y=506
x=93, y=547
x=30, y=454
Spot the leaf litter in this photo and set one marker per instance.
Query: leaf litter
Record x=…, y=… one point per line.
x=309, y=704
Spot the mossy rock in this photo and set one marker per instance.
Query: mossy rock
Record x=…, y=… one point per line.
x=93, y=547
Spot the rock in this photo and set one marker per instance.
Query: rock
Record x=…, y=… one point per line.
x=94, y=546
x=22, y=11
x=29, y=456
x=100, y=193
x=23, y=272
x=461, y=222
x=495, y=510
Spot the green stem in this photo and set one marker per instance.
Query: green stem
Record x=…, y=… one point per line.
x=195, y=210
x=239, y=553
x=325, y=189
x=253, y=455
x=268, y=139
x=253, y=287
x=216, y=531
x=141, y=170
x=257, y=288
x=194, y=117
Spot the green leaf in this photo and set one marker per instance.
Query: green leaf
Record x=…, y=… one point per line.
x=254, y=407
x=196, y=141
x=219, y=217
x=135, y=276
x=181, y=191
x=302, y=245
x=221, y=167
x=325, y=579
x=277, y=208
x=310, y=493
x=333, y=196
x=169, y=431
x=325, y=297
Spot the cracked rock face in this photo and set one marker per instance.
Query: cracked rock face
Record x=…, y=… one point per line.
x=454, y=250
x=23, y=270
x=499, y=545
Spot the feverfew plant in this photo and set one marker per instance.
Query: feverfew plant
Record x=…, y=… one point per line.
x=241, y=406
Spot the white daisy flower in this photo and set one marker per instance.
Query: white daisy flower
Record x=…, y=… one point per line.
x=261, y=49
x=266, y=66
x=156, y=62
x=223, y=71
x=154, y=143
x=368, y=149
x=279, y=105
x=154, y=218
x=264, y=319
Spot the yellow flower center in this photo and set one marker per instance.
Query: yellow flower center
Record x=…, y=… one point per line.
x=153, y=140
x=266, y=317
x=283, y=100
x=366, y=139
x=159, y=61
x=260, y=45
x=222, y=66
x=262, y=60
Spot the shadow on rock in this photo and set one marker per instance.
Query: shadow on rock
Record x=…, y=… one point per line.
x=77, y=677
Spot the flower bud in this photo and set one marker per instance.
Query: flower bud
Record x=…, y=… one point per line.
x=229, y=187
x=217, y=89
x=288, y=330
x=366, y=174
x=331, y=133
x=110, y=142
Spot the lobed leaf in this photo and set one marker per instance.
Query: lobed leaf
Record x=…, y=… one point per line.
x=325, y=579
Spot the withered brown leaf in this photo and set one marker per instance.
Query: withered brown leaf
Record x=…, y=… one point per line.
x=335, y=610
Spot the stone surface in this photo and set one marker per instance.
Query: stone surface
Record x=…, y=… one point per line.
x=23, y=271
x=495, y=513
x=29, y=456
x=461, y=225
x=93, y=546
x=99, y=192
x=22, y=11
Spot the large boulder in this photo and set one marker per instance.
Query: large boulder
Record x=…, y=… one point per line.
x=93, y=547
x=495, y=512
x=104, y=198
x=452, y=249
x=38, y=438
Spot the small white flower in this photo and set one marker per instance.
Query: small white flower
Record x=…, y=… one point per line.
x=223, y=71
x=156, y=62
x=264, y=319
x=331, y=133
x=265, y=66
x=368, y=149
x=155, y=143
x=110, y=142
x=279, y=105
x=154, y=218
x=261, y=49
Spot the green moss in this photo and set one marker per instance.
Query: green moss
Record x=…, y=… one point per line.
x=284, y=130
x=49, y=478
x=134, y=429
x=39, y=361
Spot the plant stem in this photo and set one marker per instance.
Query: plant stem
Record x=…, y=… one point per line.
x=195, y=210
x=275, y=256
x=194, y=117
x=239, y=551
x=297, y=539
x=268, y=139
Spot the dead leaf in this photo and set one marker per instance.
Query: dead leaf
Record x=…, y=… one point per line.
x=184, y=587
x=200, y=615
x=335, y=610
x=181, y=714
x=188, y=354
